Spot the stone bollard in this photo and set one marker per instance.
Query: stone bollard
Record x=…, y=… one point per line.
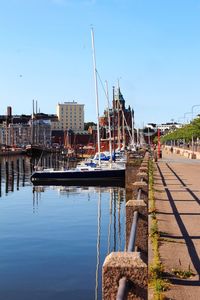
x=141, y=241
x=142, y=175
x=140, y=185
x=130, y=265
x=143, y=169
x=144, y=164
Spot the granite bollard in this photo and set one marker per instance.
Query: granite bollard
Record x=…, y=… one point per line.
x=130, y=265
x=140, y=185
x=142, y=175
x=143, y=169
x=141, y=241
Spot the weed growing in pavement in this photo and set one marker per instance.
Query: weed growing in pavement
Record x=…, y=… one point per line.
x=183, y=274
x=158, y=191
x=163, y=233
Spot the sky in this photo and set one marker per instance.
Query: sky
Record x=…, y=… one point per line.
x=150, y=47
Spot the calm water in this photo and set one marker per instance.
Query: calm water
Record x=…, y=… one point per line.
x=55, y=239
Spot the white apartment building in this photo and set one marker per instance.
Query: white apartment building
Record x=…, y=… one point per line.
x=70, y=116
x=169, y=126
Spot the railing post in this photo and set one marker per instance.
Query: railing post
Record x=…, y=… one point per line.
x=140, y=185
x=124, y=264
x=141, y=241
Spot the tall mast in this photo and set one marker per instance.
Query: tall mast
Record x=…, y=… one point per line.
x=133, y=125
x=32, y=122
x=123, y=130
x=109, y=126
x=96, y=93
x=36, y=121
x=118, y=125
x=114, y=107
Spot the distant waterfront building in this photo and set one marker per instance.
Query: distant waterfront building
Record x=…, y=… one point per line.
x=40, y=132
x=121, y=120
x=164, y=127
x=169, y=126
x=151, y=126
x=21, y=130
x=15, y=134
x=70, y=117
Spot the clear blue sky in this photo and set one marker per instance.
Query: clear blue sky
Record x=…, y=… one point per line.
x=151, y=46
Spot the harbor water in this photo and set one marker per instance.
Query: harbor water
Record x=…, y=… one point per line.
x=54, y=239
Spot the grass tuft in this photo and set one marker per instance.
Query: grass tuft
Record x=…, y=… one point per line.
x=183, y=274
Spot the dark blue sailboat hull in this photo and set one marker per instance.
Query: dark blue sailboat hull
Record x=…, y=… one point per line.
x=105, y=177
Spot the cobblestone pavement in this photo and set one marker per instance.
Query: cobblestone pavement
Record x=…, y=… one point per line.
x=177, y=193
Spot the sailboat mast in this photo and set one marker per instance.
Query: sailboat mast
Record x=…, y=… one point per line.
x=109, y=125
x=119, y=109
x=96, y=93
x=119, y=133
x=133, y=125
x=123, y=130
x=32, y=123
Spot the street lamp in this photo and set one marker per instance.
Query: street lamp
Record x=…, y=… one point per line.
x=189, y=112
x=196, y=105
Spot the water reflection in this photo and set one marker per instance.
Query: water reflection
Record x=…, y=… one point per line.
x=98, y=244
x=72, y=228
x=110, y=219
x=113, y=236
x=16, y=170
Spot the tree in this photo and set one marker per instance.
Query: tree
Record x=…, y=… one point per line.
x=187, y=132
x=88, y=124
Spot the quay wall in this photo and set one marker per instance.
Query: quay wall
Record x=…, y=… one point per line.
x=183, y=152
x=126, y=273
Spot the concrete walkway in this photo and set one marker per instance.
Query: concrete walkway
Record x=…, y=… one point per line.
x=177, y=193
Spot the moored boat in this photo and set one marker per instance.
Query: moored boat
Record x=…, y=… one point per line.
x=80, y=175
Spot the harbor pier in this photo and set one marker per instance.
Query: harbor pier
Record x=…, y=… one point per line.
x=171, y=269
x=125, y=274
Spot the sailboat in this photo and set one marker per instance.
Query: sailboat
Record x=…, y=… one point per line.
x=84, y=174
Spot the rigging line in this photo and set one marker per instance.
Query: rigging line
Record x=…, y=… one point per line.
x=109, y=103
x=98, y=245
x=103, y=87
x=40, y=159
x=96, y=94
x=125, y=119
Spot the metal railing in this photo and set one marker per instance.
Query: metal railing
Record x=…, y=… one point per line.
x=123, y=282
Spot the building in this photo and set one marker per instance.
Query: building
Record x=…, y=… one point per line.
x=121, y=120
x=21, y=130
x=40, y=132
x=70, y=117
x=164, y=128
x=15, y=134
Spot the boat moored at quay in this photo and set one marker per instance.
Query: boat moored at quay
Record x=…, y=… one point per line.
x=85, y=175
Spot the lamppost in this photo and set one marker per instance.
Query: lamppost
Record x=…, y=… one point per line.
x=196, y=105
x=193, y=106
x=189, y=112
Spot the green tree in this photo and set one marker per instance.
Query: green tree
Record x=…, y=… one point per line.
x=88, y=124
